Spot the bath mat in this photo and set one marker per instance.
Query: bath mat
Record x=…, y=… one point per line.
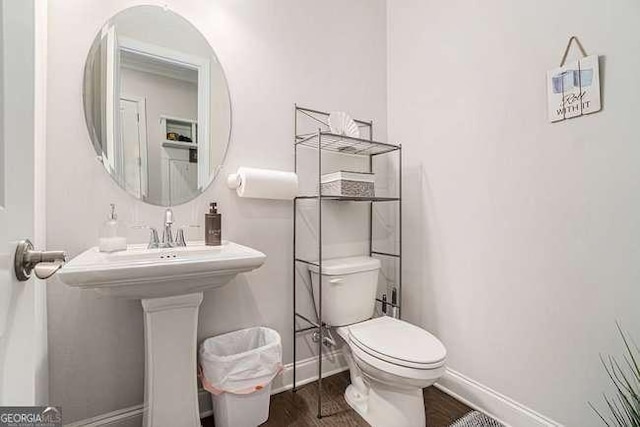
x=476, y=419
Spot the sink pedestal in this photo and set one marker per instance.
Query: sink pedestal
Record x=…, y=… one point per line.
x=171, y=389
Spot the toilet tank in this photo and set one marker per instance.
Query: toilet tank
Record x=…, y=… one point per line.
x=348, y=289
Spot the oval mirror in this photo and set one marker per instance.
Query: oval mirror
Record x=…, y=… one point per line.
x=157, y=105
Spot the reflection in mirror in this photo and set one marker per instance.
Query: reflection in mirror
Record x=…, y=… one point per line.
x=157, y=105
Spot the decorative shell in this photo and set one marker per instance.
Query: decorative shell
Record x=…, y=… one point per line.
x=341, y=123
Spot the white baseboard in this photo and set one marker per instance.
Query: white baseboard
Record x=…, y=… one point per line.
x=466, y=390
x=127, y=417
x=484, y=399
x=306, y=372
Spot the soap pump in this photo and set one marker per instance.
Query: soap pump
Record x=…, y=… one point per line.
x=111, y=239
x=213, y=226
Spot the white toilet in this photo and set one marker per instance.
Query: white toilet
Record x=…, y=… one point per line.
x=390, y=360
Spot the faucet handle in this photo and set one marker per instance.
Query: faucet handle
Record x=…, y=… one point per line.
x=154, y=241
x=180, y=235
x=180, y=241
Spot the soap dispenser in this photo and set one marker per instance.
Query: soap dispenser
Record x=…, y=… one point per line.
x=111, y=239
x=213, y=226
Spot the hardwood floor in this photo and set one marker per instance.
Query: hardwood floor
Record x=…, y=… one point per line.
x=442, y=409
x=299, y=409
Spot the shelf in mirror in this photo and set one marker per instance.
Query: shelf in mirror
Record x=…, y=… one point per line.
x=179, y=144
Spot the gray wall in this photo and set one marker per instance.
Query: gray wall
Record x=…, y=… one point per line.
x=522, y=237
x=275, y=53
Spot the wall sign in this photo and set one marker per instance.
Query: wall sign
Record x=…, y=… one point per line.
x=574, y=89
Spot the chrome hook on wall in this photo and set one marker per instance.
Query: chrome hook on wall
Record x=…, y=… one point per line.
x=44, y=263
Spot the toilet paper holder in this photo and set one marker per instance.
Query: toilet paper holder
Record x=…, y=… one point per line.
x=233, y=181
x=263, y=183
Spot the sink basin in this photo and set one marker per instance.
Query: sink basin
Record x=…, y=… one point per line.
x=169, y=283
x=142, y=273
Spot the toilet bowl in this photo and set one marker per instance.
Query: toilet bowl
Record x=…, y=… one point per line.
x=390, y=360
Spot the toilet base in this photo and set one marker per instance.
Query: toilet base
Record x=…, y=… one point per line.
x=382, y=395
x=388, y=408
x=383, y=403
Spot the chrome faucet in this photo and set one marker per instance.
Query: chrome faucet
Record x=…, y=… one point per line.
x=168, y=240
x=167, y=234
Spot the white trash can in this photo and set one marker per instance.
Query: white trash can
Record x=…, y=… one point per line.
x=237, y=369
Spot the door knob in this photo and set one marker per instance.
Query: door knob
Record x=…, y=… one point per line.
x=44, y=263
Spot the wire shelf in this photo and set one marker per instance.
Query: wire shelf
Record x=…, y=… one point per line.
x=345, y=144
x=312, y=130
x=350, y=198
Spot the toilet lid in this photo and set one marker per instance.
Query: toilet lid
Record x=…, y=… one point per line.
x=339, y=266
x=398, y=342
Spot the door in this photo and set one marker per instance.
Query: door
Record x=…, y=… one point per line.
x=183, y=180
x=23, y=339
x=134, y=145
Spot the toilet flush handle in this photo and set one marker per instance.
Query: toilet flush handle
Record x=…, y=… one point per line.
x=336, y=281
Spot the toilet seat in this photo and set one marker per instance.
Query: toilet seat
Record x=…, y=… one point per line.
x=389, y=343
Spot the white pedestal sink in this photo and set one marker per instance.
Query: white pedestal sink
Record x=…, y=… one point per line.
x=170, y=283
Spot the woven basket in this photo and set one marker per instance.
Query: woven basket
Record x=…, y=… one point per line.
x=476, y=419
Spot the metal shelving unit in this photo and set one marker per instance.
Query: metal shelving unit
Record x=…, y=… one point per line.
x=321, y=141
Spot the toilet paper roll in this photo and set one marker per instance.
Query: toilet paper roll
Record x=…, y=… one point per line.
x=264, y=183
